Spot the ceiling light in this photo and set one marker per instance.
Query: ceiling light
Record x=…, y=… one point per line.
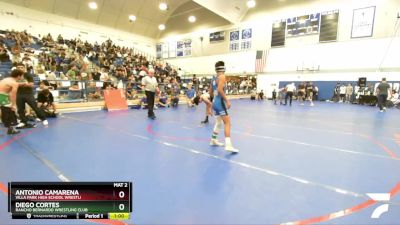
x=251, y=3
x=132, y=18
x=163, y=6
x=93, y=5
x=192, y=19
x=161, y=27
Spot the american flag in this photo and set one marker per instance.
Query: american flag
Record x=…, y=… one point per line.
x=261, y=60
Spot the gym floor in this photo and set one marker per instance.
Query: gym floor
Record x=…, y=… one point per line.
x=297, y=165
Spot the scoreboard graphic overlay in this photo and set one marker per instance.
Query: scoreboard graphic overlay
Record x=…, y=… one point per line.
x=74, y=200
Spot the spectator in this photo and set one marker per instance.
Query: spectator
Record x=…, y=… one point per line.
x=383, y=91
x=4, y=57
x=253, y=95
x=175, y=93
x=71, y=74
x=301, y=93
x=190, y=94
x=394, y=100
x=281, y=93
x=46, y=103
x=274, y=95
x=104, y=75
x=310, y=92
x=336, y=93
x=349, y=93
x=96, y=75
x=93, y=91
x=316, y=93
x=342, y=92
x=74, y=92
x=261, y=95
x=51, y=77
x=143, y=103
x=163, y=101
x=195, y=82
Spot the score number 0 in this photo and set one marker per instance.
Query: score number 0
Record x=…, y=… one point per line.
x=121, y=195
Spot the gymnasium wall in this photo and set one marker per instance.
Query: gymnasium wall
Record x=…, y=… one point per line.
x=234, y=62
x=345, y=55
x=40, y=23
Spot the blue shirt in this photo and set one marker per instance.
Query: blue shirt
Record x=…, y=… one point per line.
x=191, y=93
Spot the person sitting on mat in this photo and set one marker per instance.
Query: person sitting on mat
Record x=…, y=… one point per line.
x=253, y=95
x=190, y=94
x=163, y=101
x=175, y=93
x=394, y=100
x=46, y=103
x=143, y=103
x=8, y=100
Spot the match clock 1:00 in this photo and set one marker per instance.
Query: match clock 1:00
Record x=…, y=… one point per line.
x=119, y=216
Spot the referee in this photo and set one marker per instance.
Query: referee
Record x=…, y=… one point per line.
x=150, y=85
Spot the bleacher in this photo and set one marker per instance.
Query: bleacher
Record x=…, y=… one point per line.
x=91, y=93
x=5, y=68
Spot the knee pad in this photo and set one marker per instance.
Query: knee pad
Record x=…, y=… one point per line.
x=219, y=123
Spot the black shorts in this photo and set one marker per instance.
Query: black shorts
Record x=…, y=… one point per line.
x=8, y=117
x=196, y=100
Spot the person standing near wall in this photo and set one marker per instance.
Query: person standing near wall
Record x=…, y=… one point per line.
x=349, y=93
x=310, y=92
x=383, y=91
x=301, y=94
x=150, y=86
x=290, y=88
x=342, y=93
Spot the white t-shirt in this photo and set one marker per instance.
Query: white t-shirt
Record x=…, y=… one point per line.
x=149, y=83
x=343, y=90
x=42, y=76
x=290, y=88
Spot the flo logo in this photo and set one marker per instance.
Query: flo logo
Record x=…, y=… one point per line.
x=380, y=197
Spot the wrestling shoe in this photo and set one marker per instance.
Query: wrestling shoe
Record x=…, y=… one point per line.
x=230, y=148
x=20, y=125
x=27, y=126
x=204, y=122
x=13, y=131
x=214, y=142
